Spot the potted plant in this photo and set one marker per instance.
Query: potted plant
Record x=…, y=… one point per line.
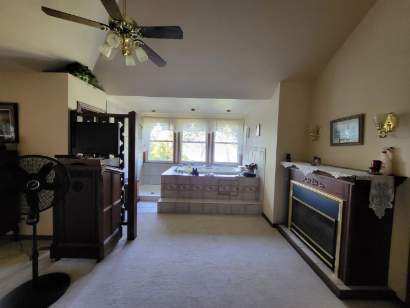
x=250, y=170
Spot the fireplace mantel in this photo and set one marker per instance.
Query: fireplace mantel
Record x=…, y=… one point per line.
x=362, y=241
x=336, y=172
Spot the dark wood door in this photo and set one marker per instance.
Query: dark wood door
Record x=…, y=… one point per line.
x=9, y=210
x=132, y=179
x=408, y=282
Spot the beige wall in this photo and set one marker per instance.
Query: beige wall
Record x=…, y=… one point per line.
x=283, y=121
x=41, y=100
x=43, y=119
x=265, y=114
x=81, y=91
x=44, y=99
x=294, y=101
x=371, y=74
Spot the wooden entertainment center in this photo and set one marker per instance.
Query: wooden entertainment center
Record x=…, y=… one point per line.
x=88, y=223
x=103, y=196
x=332, y=226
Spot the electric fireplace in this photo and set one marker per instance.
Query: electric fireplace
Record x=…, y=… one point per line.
x=332, y=226
x=315, y=217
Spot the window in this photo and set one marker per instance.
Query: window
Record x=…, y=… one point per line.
x=193, y=137
x=160, y=138
x=227, y=138
x=193, y=144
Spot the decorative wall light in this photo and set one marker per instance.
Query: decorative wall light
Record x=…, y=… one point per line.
x=385, y=123
x=314, y=132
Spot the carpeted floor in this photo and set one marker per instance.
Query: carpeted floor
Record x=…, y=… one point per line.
x=199, y=261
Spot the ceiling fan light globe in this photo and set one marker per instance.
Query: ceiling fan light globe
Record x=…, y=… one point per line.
x=113, y=40
x=106, y=50
x=130, y=60
x=141, y=55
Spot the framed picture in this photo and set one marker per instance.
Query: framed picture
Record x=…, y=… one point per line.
x=258, y=130
x=247, y=132
x=347, y=131
x=9, y=123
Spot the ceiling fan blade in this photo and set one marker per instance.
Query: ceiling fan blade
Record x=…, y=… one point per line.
x=166, y=32
x=153, y=56
x=74, y=18
x=112, y=9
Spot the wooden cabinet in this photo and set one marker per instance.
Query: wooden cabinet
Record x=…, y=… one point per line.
x=9, y=210
x=88, y=223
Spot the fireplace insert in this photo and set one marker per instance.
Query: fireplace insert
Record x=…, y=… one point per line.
x=315, y=217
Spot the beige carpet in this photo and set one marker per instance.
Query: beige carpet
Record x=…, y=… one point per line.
x=199, y=261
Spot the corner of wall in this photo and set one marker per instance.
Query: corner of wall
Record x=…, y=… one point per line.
x=294, y=102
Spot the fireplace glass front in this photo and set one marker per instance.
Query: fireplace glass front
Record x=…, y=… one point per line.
x=315, y=217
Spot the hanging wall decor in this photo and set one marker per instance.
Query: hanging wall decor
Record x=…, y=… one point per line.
x=9, y=123
x=347, y=130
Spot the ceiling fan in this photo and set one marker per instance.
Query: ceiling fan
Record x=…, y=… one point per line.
x=124, y=33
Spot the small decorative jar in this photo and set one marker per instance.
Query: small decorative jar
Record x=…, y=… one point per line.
x=387, y=161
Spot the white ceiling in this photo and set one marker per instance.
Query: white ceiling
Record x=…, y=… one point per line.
x=232, y=48
x=31, y=40
x=181, y=107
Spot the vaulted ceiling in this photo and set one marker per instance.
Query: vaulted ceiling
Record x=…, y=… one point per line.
x=231, y=48
x=234, y=48
x=31, y=40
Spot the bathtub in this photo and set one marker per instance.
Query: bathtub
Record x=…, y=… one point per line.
x=209, y=170
x=217, y=190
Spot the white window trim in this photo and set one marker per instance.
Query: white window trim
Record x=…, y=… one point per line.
x=238, y=158
x=209, y=148
x=161, y=161
x=192, y=161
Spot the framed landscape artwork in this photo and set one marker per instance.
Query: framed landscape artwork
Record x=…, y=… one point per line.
x=347, y=131
x=8, y=123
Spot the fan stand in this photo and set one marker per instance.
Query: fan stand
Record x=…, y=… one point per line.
x=40, y=291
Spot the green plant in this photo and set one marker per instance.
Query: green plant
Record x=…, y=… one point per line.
x=84, y=73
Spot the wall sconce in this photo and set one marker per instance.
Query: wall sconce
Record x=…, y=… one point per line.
x=314, y=132
x=385, y=123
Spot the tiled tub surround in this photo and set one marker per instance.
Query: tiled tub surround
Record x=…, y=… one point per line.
x=208, y=194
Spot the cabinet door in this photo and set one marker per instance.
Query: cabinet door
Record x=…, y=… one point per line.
x=116, y=187
x=116, y=197
x=107, y=190
x=76, y=219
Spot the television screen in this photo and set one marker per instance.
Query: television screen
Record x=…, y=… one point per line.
x=96, y=138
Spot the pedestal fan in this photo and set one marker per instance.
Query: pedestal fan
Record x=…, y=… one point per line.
x=43, y=183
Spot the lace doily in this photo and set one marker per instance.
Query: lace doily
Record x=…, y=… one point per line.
x=381, y=194
x=307, y=168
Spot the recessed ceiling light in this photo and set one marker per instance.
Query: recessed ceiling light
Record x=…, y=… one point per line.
x=228, y=110
x=192, y=109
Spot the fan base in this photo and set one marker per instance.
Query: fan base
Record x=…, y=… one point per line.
x=49, y=289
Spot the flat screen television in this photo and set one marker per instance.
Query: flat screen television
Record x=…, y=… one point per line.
x=96, y=138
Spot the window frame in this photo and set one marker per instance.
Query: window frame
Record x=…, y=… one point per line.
x=210, y=143
x=238, y=158
x=181, y=142
x=172, y=161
